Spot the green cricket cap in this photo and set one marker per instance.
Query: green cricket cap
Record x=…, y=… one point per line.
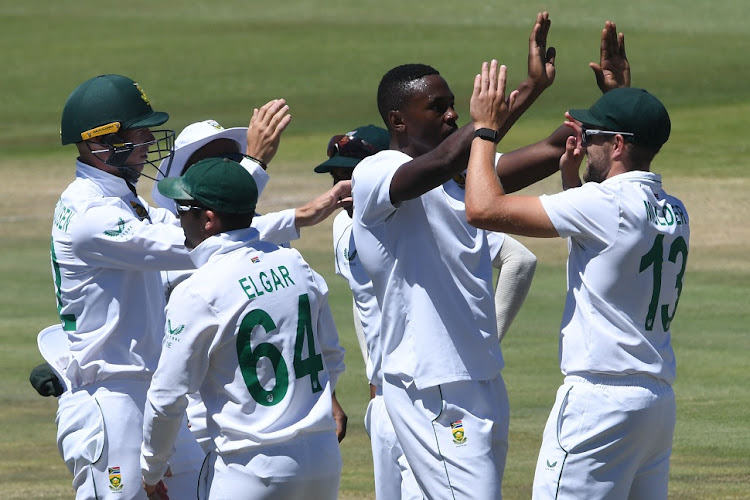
x=629, y=109
x=104, y=105
x=347, y=150
x=219, y=184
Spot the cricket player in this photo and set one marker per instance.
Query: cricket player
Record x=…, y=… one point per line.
x=251, y=330
x=393, y=476
x=609, y=434
x=107, y=249
x=206, y=139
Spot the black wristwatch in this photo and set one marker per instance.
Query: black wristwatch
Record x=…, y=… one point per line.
x=487, y=134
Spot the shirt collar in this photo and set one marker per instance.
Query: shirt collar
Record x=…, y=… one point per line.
x=223, y=243
x=635, y=176
x=111, y=185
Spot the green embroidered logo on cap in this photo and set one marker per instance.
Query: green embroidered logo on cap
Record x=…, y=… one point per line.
x=143, y=94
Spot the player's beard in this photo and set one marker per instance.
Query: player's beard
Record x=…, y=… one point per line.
x=597, y=167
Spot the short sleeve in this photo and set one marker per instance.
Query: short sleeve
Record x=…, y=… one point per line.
x=371, y=186
x=588, y=212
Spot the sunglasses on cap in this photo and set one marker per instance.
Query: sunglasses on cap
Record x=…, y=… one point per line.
x=184, y=207
x=587, y=133
x=352, y=147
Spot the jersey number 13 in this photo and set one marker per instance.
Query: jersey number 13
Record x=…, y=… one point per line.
x=655, y=259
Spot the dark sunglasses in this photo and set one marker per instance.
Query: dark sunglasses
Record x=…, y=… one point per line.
x=352, y=147
x=587, y=133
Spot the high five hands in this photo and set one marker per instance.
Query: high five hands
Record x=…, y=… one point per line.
x=265, y=128
x=541, y=57
x=613, y=70
x=489, y=108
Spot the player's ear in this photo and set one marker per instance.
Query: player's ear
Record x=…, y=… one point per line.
x=396, y=121
x=619, y=147
x=211, y=222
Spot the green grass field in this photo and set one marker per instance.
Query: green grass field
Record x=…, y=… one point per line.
x=209, y=60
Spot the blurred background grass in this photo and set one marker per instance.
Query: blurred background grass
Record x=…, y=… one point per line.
x=199, y=60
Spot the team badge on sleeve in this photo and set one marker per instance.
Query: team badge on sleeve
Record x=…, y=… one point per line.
x=121, y=232
x=457, y=429
x=115, y=479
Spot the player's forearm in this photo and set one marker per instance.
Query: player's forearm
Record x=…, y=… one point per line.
x=570, y=179
x=482, y=186
x=432, y=169
x=277, y=227
x=159, y=436
x=525, y=166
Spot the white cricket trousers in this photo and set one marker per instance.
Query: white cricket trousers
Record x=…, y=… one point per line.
x=307, y=467
x=607, y=437
x=99, y=435
x=454, y=435
x=393, y=476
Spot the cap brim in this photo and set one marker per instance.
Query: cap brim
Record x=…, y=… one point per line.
x=173, y=189
x=585, y=116
x=152, y=120
x=182, y=154
x=337, y=161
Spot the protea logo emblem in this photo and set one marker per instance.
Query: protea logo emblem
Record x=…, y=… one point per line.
x=143, y=94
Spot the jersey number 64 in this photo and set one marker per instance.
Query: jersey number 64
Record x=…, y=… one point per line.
x=249, y=357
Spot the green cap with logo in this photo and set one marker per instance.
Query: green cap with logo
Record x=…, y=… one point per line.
x=104, y=105
x=349, y=149
x=632, y=110
x=219, y=184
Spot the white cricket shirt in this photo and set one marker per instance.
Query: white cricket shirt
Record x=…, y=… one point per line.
x=432, y=276
x=628, y=251
x=108, y=247
x=251, y=330
x=348, y=266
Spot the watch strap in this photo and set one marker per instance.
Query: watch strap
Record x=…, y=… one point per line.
x=487, y=134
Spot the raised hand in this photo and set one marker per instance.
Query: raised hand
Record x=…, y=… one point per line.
x=570, y=161
x=613, y=70
x=264, y=131
x=541, y=57
x=489, y=107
